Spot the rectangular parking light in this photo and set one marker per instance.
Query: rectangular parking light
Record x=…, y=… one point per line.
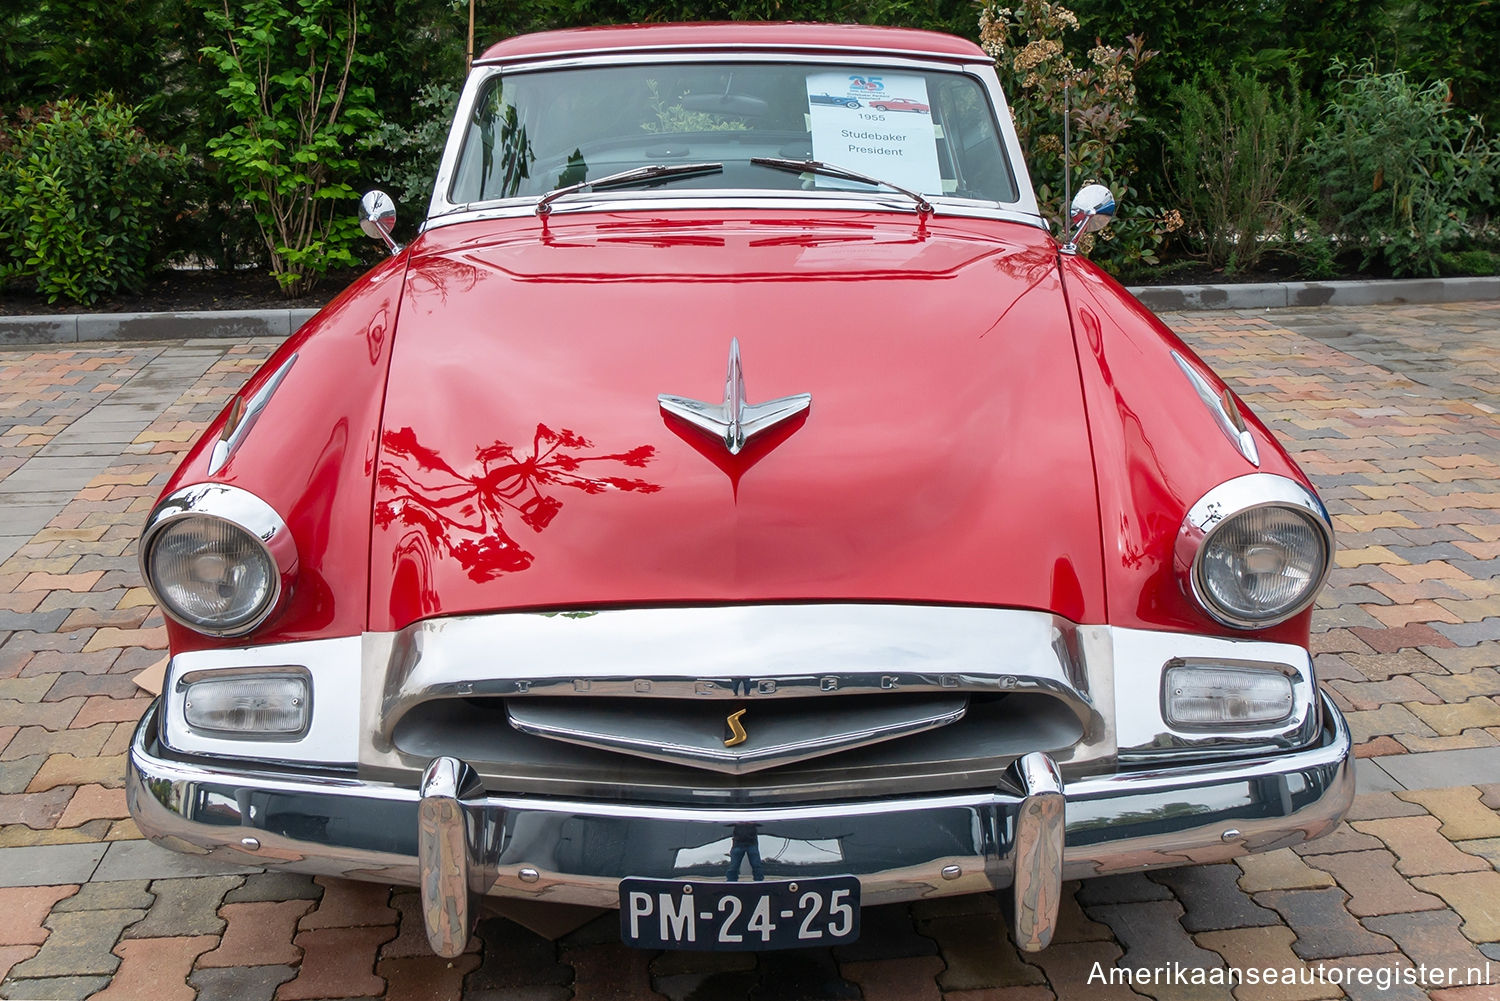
x=1211, y=696
x=250, y=705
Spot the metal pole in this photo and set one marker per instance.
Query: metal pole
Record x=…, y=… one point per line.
x=1067, y=156
x=469, y=55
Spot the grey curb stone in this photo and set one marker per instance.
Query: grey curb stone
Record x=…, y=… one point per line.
x=1175, y=297
x=179, y=326
x=1302, y=294
x=24, y=330
x=65, y=329
x=18, y=330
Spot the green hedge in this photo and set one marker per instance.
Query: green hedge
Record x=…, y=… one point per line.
x=151, y=55
x=81, y=199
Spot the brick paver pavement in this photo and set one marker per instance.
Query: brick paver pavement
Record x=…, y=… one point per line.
x=1391, y=410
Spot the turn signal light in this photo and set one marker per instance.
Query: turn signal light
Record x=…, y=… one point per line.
x=249, y=706
x=1211, y=696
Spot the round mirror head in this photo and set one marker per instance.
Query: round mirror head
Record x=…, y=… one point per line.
x=1093, y=208
x=377, y=215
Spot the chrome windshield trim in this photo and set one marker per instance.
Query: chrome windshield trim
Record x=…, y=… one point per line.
x=799, y=202
x=1025, y=209
x=237, y=428
x=1225, y=411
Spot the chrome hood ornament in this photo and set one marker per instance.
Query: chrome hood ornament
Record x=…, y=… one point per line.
x=735, y=422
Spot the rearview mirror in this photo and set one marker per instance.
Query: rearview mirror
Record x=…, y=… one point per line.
x=1093, y=209
x=377, y=217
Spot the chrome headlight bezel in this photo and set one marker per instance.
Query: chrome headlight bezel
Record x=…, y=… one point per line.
x=1221, y=505
x=241, y=510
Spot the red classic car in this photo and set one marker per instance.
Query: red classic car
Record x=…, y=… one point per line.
x=899, y=104
x=717, y=489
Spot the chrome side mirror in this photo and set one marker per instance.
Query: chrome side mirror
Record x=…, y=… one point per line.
x=377, y=217
x=1093, y=208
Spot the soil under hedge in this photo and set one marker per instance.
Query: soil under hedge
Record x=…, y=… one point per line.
x=187, y=291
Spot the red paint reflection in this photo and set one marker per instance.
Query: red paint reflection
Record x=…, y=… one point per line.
x=463, y=516
x=734, y=466
x=441, y=275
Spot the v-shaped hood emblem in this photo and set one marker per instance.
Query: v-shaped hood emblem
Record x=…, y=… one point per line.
x=735, y=422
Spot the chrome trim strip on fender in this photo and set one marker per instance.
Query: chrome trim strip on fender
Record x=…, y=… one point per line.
x=1225, y=411
x=576, y=852
x=237, y=428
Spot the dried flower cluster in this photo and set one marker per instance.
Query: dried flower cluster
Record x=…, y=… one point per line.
x=1042, y=78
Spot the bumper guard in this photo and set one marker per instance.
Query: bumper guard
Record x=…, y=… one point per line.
x=458, y=843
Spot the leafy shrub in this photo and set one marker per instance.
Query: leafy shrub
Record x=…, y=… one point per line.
x=1043, y=80
x=671, y=116
x=1470, y=262
x=1452, y=40
x=81, y=196
x=1234, y=159
x=416, y=149
x=290, y=70
x=1400, y=176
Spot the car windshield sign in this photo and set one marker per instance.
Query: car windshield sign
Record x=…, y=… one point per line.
x=863, y=128
x=535, y=131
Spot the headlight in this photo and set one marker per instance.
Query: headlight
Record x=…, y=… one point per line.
x=217, y=558
x=1255, y=550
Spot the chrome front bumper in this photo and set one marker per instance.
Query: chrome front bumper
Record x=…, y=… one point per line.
x=450, y=834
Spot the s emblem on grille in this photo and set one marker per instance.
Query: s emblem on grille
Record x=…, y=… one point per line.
x=737, y=733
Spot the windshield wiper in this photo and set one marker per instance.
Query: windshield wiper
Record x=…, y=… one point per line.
x=649, y=173
x=924, y=207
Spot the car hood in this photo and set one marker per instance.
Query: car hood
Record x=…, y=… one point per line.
x=525, y=460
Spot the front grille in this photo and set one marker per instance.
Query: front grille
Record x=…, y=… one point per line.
x=971, y=753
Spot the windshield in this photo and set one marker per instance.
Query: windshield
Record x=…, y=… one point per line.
x=931, y=132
